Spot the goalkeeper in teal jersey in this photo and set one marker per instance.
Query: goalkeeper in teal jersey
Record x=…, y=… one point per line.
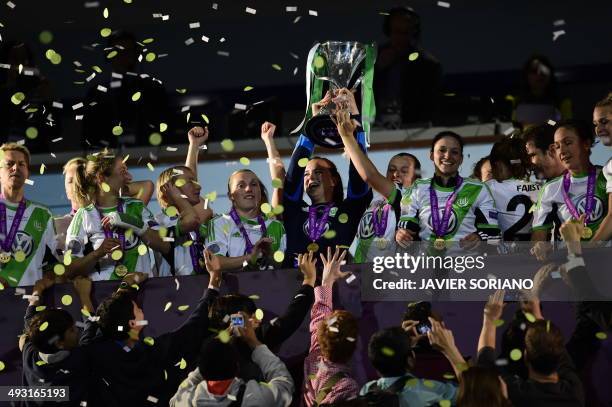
x=447, y=208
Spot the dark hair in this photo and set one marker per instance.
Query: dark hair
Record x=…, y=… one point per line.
x=218, y=360
x=447, y=133
x=477, y=172
x=338, y=194
x=583, y=130
x=417, y=163
x=512, y=338
x=550, y=93
x=224, y=306
x=335, y=343
x=115, y=313
x=480, y=387
x=544, y=347
x=402, y=11
x=512, y=153
x=58, y=322
x=542, y=136
x=389, y=352
x=418, y=311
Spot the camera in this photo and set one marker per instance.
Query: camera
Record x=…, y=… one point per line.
x=237, y=320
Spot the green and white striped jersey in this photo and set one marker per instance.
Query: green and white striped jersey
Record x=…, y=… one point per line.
x=224, y=237
x=472, y=211
x=86, y=228
x=366, y=246
x=551, y=205
x=180, y=246
x=35, y=239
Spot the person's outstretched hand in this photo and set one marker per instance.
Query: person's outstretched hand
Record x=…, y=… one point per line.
x=331, y=266
x=307, y=265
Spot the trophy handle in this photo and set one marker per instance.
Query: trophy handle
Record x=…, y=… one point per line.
x=330, y=80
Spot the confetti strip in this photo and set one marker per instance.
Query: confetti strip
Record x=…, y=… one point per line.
x=189, y=41
x=240, y=106
x=443, y=4
x=29, y=182
x=194, y=25
x=557, y=34
x=291, y=9
x=551, y=123
x=250, y=10
x=223, y=53
x=558, y=23
x=313, y=13
x=205, y=38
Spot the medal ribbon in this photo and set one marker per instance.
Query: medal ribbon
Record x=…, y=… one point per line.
x=7, y=244
x=380, y=226
x=316, y=226
x=440, y=227
x=589, y=195
x=236, y=218
x=194, y=251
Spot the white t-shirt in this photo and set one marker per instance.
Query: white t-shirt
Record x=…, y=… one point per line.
x=181, y=247
x=551, y=205
x=224, y=237
x=513, y=200
x=607, y=171
x=473, y=210
x=35, y=238
x=86, y=228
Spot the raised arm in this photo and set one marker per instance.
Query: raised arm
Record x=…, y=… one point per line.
x=197, y=138
x=364, y=166
x=275, y=163
x=83, y=265
x=82, y=286
x=188, y=218
x=442, y=338
x=35, y=299
x=142, y=190
x=492, y=312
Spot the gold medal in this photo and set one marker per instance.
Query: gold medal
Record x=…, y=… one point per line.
x=121, y=270
x=381, y=243
x=440, y=244
x=5, y=257
x=313, y=247
x=587, y=233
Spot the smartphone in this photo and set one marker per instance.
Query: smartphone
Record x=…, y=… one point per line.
x=237, y=320
x=423, y=327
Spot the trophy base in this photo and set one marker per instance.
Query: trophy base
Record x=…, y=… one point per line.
x=323, y=131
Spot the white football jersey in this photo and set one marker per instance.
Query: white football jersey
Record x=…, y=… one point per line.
x=513, y=200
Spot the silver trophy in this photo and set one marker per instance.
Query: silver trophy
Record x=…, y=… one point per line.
x=334, y=65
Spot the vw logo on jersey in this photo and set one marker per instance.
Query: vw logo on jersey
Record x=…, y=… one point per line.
x=452, y=221
x=598, y=207
x=305, y=227
x=132, y=241
x=23, y=242
x=462, y=202
x=366, y=226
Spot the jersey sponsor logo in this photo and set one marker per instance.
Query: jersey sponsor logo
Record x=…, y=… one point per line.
x=305, y=227
x=527, y=188
x=598, y=208
x=23, y=242
x=38, y=226
x=74, y=246
x=452, y=221
x=214, y=248
x=131, y=241
x=366, y=227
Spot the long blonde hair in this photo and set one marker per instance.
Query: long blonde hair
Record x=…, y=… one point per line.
x=85, y=182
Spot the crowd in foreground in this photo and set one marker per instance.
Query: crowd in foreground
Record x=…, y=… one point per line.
x=112, y=235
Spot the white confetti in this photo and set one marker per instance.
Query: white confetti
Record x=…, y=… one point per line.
x=92, y=4
x=152, y=399
x=313, y=13
x=508, y=131
x=443, y=4
x=350, y=278
x=178, y=284
x=250, y=10
x=55, y=140
x=171, y=148
x=240, y=106
x=29, y=182
x=115, y=84
x=58, y=105
x=551, y=123
x=555, y=275
x=78, y=117
x=166, y=17
x=291, y=9
x=20, y=291
x=102, y=88
x=143, y=322
x=194, y=25
x=222, y=39
x=294, y=55
x=205, y=38
x=298, y=18
x=215, y=6
x=558, y=23
x=557, y=34
x=10, y=4
x=77, y=106
x=189, y=41
x=295, y=71
x=223, y=53
x=350, y=339
x=116, y=75
x=90, y=77
x=168, y=239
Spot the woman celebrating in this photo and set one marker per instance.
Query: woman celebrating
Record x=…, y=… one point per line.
x=375, y=235
x=447, y=208
x=106, y=223
x=331, y=219
x=513, y=193
x=244, y=236
x=602, y=120
x=580, y=190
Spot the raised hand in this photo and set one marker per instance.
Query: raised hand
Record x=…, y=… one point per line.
x=307, y=265
x=198, y=135
x=317, y=106
x=344, y=98
x=346, y=126
x=495, y=306
x=267, y=131
x=440, y=337
x=213, y=266
x=404, y=237
x=331, y=266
